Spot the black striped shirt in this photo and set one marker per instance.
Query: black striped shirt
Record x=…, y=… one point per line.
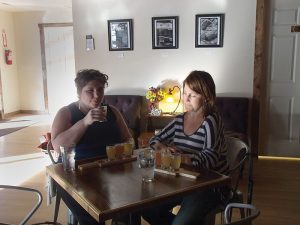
x=207, y=143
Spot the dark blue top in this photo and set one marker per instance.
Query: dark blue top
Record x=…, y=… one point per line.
x=97, y=136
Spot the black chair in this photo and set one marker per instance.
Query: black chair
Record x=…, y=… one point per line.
x=238, y=153
x=252, y=213
x=34, y=208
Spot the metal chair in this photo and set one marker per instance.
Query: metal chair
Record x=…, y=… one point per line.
x=252, y=213
x=238, y=153
x=35, y=207
x=56, y=158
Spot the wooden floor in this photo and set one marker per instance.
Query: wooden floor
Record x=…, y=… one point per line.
x=276, y=181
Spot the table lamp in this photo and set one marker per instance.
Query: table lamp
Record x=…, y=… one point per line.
x=169, y=98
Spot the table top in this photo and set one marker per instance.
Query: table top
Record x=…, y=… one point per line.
x=116, y=190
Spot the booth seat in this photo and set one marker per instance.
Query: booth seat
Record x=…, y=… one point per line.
x=235, y=112
x=133, y=109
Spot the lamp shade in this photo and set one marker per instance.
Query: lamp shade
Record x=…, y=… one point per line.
x=170, y=103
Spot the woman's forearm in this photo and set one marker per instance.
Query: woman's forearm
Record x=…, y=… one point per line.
x=70, y=136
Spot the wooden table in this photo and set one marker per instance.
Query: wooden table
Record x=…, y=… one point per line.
x=119, y=190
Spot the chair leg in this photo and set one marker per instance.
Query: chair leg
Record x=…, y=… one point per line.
x=71, y=218
x=57, y=203
x=242, y=212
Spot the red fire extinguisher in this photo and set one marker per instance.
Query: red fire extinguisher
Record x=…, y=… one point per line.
x=8, y=57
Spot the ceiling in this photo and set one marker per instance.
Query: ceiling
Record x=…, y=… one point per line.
x=33, y=5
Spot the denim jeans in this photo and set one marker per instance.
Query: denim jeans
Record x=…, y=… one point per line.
x=195, y=207
x=193, y=210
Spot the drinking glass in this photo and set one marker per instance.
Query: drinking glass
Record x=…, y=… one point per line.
x=104, y=109
x=128, y=148
x=146, y=162
x=166, y=159
x=68, y=157
x=119, y=148
x=158, y=159
x=176, y=161
x=111, y=152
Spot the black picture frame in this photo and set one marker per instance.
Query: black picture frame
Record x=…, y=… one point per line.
x=165, y=32
x=209, y=30
x=120, y=34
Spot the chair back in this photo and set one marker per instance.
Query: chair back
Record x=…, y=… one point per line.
x=54, y=156
x=237, y=155
x=253, y=212
x=25, y=189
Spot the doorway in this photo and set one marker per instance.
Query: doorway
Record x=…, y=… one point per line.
x=283, y=92
x=58, y=64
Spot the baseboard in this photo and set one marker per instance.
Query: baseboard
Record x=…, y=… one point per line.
x=33, y=112
x=11, y=114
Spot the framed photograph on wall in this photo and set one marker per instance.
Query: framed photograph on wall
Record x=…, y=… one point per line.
x=120, y=34
x=164, y=32
x=209, y=30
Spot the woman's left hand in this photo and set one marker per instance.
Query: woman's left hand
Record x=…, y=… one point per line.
x=186, y=159
x=174, y=149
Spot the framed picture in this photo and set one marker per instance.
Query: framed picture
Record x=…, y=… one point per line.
x=120, y=35
x=164, y=32
x=209, y=30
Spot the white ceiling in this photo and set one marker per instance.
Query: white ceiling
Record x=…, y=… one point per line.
x=33, y=5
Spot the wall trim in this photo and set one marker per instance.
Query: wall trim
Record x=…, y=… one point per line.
x=32, y=112
x=42, y=27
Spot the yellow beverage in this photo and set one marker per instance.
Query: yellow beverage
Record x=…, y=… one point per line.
x=176, y=161
x=111, y=152
x=128, y=147
x=119, y=150
x=166, y=160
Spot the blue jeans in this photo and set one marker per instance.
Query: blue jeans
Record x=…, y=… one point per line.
x=193, y=210
x=195, y=207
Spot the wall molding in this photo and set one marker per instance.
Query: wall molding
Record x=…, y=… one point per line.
x=32, y=112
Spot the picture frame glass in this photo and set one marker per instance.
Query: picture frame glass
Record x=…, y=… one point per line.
x=164, y=32
x=120, y=35
x=209, y=30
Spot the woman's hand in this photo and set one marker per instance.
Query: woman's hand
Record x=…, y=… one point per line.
x=160, y=147
x=96, y=114
x=186, y=159
x=174, y=149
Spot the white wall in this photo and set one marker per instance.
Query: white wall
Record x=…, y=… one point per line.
x=231, y=66
x=29, y=58
x=9, y=74
x=22, y=82
x=29, y=54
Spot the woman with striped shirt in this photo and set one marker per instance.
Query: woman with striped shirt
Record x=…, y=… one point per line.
x=199, y=135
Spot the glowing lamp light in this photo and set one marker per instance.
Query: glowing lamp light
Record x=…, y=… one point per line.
x=170, y=98
x=170, y=104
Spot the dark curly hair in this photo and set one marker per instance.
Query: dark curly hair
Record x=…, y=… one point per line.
x=86, y=75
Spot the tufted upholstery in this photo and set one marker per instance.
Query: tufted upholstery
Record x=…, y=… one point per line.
x=234, y=111
x=235, y=115
x=131, y=107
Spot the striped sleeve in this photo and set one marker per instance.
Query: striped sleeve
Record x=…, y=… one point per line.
x=165, y=136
